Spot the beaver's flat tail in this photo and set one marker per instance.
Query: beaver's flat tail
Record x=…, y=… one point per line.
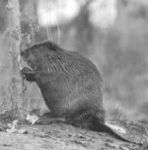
x=101, y=127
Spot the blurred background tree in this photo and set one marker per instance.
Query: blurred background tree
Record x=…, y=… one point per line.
x=112, y=33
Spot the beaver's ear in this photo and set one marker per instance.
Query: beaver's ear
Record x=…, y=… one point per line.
x=51, y=46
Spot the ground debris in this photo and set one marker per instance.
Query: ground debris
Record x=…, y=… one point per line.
x=112, y=145
x=60, y=136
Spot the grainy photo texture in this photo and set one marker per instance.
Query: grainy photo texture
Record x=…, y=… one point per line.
x=73, y=74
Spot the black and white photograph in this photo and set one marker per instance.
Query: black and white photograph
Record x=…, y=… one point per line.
x=73, y=74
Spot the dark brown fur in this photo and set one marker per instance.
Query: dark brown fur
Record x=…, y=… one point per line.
x=70, y=84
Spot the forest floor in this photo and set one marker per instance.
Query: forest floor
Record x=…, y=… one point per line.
x=60, y=136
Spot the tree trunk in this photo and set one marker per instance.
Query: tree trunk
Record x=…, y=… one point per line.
x=11, y=93
x=16, y=95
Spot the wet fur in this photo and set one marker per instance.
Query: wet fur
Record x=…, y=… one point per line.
x=70, y=84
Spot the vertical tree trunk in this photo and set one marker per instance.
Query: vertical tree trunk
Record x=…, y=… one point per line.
x=14, y=95
x=11, y=95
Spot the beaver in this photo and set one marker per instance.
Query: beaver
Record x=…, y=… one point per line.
x=71, y=85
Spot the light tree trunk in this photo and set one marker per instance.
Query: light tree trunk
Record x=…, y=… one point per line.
x=11, y=93
x=16, y=95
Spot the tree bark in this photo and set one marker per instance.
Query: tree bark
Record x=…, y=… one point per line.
x=11, y=93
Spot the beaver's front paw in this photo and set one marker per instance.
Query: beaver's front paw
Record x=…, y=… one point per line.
x=28, y=74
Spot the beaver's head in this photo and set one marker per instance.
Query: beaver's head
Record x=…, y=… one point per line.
x=41, y=55
x=29, y=56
